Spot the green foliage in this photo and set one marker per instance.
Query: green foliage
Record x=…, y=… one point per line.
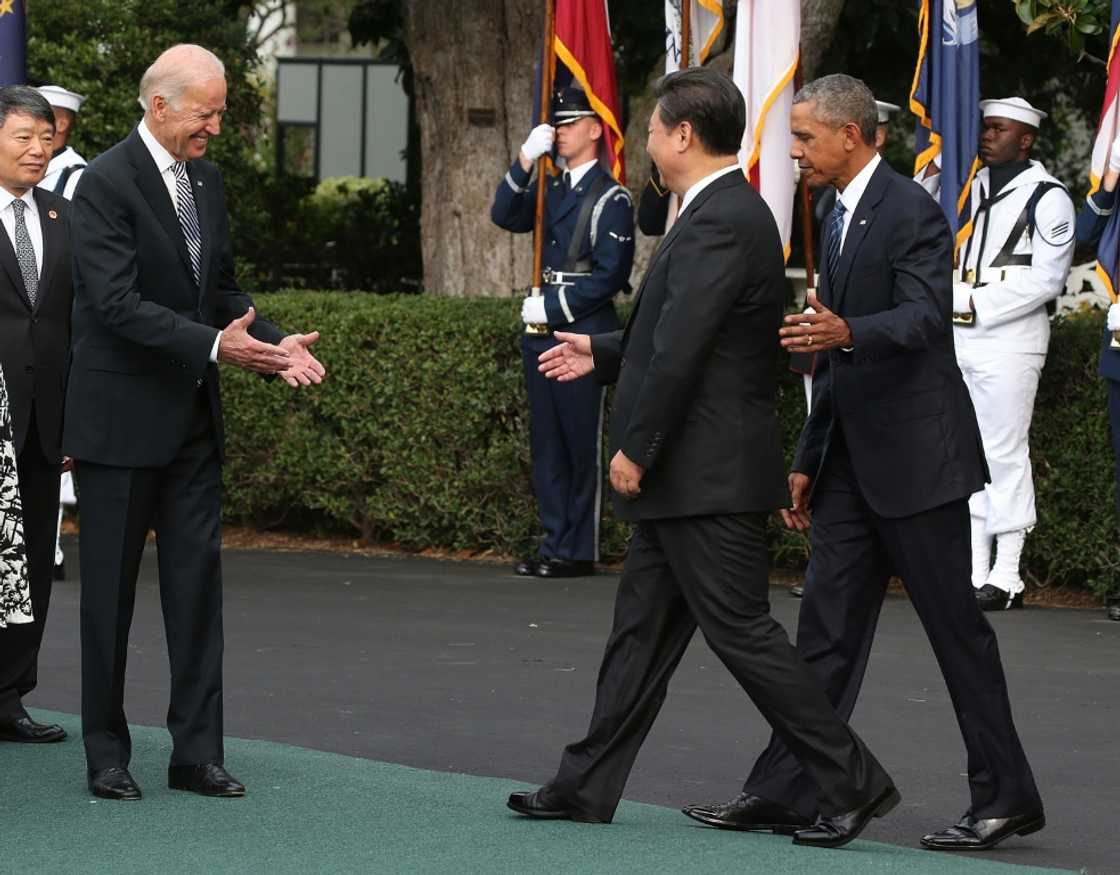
x=101, y=48
x=419, y=436
x=1072, y=20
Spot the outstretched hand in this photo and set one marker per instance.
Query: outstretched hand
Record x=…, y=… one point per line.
x=237, y=347
x=812, y=332
x=569, y=360
x=303, y=369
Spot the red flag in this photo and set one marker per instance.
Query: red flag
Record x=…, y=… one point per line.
x=583, y=46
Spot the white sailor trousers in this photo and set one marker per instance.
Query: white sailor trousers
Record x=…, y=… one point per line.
x=1003, y=386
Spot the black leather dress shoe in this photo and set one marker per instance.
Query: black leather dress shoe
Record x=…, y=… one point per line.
x=27, y=731
x=527, y=567
x=839, y=829
x=975, y=834
x=113, y=783
x=797, y=591
x=992, y=598
x=544, y=804
x=749, y=812
x=1112, y=610
x=553, y=567
x=208, y=779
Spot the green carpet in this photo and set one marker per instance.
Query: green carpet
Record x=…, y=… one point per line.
x=309, y=811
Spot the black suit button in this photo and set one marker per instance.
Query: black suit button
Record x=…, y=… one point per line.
x=34, y=320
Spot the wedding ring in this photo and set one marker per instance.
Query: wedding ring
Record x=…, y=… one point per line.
x=809, y=340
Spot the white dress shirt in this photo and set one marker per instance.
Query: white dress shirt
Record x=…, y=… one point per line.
x=690, y=195
x=30, y=218
x=575, y=174
x=165, y=164
x=853, y=191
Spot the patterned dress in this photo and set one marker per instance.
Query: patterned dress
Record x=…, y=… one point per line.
x=15, y=601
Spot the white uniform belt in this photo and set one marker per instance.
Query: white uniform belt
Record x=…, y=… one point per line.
x=995, y=274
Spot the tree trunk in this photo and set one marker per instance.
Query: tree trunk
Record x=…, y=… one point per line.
x=473, y=62
x=818, y=24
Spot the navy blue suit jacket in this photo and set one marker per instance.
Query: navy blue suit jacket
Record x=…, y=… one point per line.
x=1090, y=226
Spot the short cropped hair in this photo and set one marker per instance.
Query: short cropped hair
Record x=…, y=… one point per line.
x=841, y=99
x=23, y=100
x=707, y=100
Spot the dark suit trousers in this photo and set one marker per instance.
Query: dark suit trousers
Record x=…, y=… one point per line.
x=709, y=572
x=19, y=644
x=181, y=501
x=853, y=553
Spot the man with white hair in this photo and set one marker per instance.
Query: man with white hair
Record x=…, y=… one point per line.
x=156, y=311
x=1012, y=267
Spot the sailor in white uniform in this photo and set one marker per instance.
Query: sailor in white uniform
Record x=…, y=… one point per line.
x=1013, y=265
x=66, y=164
x=62, y=175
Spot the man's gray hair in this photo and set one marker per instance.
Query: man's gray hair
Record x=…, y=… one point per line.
x=176, y=70
x=841, y=99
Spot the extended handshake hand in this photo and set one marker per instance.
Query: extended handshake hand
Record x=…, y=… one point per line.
x=569, y=360
x=290, y=359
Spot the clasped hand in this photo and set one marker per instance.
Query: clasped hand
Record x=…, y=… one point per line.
x=815, y=331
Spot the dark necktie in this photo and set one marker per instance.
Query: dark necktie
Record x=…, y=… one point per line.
x=835, y=238
x=566, y=182
x=188, y=216
x=25, y=253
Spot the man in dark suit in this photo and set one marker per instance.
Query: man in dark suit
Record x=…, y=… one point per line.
x=697, y=466
x=34, y=346
x=153, y=281
x=886, y=461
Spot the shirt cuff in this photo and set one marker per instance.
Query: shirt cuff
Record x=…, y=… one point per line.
x=214, y=348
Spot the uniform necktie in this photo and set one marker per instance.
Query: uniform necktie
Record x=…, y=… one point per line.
x=188, y=216
x=835, y=239
x=567, y=182
x=25, y=253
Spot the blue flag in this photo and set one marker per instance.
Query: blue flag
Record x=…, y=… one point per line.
x=946, y=99
x=13, y=42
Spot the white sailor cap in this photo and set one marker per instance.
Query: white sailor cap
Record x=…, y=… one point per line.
x=58, y=96
x=1013, y=108
x=885, y=110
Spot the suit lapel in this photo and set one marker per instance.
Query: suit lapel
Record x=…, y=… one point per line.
x=861, y=221
x=53, y=235
x=155, y=193
x=11, y=267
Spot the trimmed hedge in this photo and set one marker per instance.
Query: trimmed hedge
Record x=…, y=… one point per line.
x=419, y=436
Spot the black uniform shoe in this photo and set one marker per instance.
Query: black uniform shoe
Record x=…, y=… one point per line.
x=992, y=598
x=60, y=571
x=748, y=812
x=974, y=834
x=839, y=829
x=565, y=568
x=797, y=591
x=544, y=804
x=527, y=567
x=1112, y=610
x=27, y=731
x=208, y=779
x=113, y=783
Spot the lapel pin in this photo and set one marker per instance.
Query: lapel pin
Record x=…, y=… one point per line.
x=199, y=183
x=863, y=221
x=52, y=214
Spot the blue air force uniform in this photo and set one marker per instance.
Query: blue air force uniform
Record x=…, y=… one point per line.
x=565, y=419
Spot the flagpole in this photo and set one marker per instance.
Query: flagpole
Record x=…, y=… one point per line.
x=806, y=208
x=686, y=33
x=548, y=71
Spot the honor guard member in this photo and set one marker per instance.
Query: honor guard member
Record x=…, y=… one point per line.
x=587, y=255
x=66, y=165
x=1091, y=224
x=1012, y=267
x=824, y=199
x=62, y=175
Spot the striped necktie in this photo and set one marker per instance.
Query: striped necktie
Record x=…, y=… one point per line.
x=835, y=239
x=188, y=216
x=25, y=253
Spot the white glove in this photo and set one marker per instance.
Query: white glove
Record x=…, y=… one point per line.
x=539, y=142
x=1114, y=317
x=962, y=297
x=1114, y=156
x=532, y=310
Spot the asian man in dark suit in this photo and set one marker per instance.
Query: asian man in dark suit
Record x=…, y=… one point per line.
x=697, y=466
x=34, y=349
x=156, y=309
x=887, y=459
